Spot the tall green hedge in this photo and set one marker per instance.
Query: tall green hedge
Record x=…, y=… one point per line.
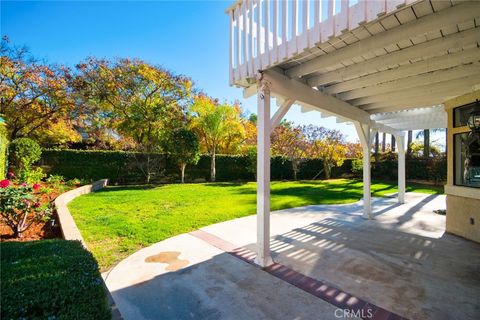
x=3, y=149
x=122, y=167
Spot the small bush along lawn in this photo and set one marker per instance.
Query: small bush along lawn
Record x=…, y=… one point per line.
x=117, y=221
x=51, y=279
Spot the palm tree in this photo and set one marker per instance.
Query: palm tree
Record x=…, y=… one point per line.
x=384, y=138
x=426, y=139
x=409, y=142
x=217, y=125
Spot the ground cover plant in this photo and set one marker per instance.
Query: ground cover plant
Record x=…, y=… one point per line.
x=51, y=279
x=117, y=221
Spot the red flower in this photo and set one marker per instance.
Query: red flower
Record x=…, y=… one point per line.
x=36, y=204
x=36, y=186
x=4, y=183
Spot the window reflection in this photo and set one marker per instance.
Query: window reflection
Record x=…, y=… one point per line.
x=467, y=159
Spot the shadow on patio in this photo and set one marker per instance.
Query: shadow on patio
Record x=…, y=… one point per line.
x=409, y=274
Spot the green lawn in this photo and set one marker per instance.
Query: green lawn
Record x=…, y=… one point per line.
x=51, y=279
x=117, y=221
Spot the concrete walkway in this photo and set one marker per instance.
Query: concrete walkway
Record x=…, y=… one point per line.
x=402, y=262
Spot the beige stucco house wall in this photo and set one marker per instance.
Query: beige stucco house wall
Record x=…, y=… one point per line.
x=463, y=203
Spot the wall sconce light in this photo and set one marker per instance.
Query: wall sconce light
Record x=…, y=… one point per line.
x=474, y=121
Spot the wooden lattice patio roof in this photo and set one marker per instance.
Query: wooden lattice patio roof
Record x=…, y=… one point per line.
x=366, y=60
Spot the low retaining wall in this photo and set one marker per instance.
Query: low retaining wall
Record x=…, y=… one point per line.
x=70, y=230
x=67, y=224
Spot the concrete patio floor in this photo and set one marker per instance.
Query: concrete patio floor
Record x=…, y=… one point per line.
x=402, y=262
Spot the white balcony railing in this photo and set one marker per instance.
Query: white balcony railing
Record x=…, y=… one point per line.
x=266, y=32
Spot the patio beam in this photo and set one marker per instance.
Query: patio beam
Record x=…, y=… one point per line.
x=432, y=64
x=396, y=116
x=413, y=81
x=263, y=258
x=307, y=96
x=420, y=91
x=425, y=50
x=419, y=101
x=432, y=22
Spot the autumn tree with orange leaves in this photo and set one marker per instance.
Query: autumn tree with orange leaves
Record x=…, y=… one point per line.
x=136, y=100
x=35, y=98
x=325, y=144
x=289, y=142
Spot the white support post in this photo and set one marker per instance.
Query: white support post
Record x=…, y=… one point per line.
x=263, y=258
x=365, y=134
x=401, y=167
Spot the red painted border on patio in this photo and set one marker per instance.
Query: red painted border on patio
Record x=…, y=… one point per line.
x=326, y=292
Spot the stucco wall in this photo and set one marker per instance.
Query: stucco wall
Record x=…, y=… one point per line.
x=463, y=217
x=463, y=203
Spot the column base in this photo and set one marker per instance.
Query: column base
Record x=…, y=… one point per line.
x=263, y=263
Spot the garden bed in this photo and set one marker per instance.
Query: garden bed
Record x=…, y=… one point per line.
x=51, y=279
x=48, y=229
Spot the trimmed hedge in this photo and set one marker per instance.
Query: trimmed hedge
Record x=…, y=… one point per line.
x=51, y=279
x=434, y=170
x=3, y=149
x=122, y=167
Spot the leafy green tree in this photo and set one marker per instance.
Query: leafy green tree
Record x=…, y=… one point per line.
x=327, y=145
x=184, y=148
x=219, y=127
x=136, y=100
x=289, y=142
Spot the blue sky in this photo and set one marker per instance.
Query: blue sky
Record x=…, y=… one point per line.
x=187, y=37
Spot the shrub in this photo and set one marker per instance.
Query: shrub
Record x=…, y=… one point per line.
x=51, y=279
x=3, y=149
x=357, y=167
x=73, y=182
x=24, y=152
x=55, y=178
x=437, y=168
x=31, y=175
x=20, y=207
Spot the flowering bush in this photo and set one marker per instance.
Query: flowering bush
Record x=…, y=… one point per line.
x=4, y=183
x=20, y=207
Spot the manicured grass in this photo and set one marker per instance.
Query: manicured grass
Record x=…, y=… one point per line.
x=51, y=279
x=117, y=221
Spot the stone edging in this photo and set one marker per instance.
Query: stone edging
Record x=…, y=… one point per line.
x=67, y=224
x=70, y=230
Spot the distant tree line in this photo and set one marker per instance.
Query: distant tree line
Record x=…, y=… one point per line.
x=132, y=105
